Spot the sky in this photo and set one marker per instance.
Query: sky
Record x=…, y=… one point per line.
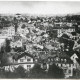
x=40, y=7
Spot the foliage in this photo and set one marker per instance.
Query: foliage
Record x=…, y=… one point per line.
x=20, y=72
x=68, y=43
x=7, y=48
x=76, y=74
x=37, y=72
x=55, y=72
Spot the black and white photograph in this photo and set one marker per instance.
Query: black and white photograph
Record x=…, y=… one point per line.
x=39, y=39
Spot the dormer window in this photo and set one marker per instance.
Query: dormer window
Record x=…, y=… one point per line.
x=61, y=59
x=65, y=60
x=29, y=66
x=51, y=59
x=57, y=59
x=48, y=59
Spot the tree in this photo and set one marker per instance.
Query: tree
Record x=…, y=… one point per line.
x=37, y=72
x=20, y=72
x=15, y=22
x=76, y=74
x=2, y=74
x=7, y=48
x=68, y=43
x=55, y=72
x=2, y=52
x=64, y=38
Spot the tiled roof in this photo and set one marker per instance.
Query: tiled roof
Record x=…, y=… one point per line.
x=16, y=57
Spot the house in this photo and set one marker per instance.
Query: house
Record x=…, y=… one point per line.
x=25, y=60
x=63, y=61
x=74, y=57
x=76, y=46
x=76, y=60
x=58, y=24
x=69, y=24
x=61, y=30
x=46, y=61
x=7, y=32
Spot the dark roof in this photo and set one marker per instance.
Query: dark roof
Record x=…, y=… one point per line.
x=63, y=55
x=16, y=57
x=78, y=60
x=73, y=33
x=69, y=53
x=77, y=53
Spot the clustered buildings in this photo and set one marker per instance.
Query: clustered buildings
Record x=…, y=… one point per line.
x=36, y=40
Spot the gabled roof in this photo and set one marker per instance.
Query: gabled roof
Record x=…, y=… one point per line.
x=78, y=60
x=77, y=53
x=16, y=57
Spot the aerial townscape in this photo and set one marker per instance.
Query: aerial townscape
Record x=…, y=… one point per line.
x=40, y=46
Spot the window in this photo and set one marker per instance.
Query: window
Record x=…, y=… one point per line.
x=56, y=64
x=61, y=59
x=69, y=65
x=28, y=66
x=51, y=59
x=28, y=59
x=65, y=60
x=21, y=60
x=64, y=65
x=69, y=71
x=65, y=70
x=48, y=59
x=59, y=65
x=57, y=58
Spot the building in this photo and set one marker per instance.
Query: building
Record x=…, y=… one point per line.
x=61, y=30
x=69, y=24
x=25, y=60
x=73, y=58
x=76, y=60
x=58, y=24
x=7, y=32
x=63, y=61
